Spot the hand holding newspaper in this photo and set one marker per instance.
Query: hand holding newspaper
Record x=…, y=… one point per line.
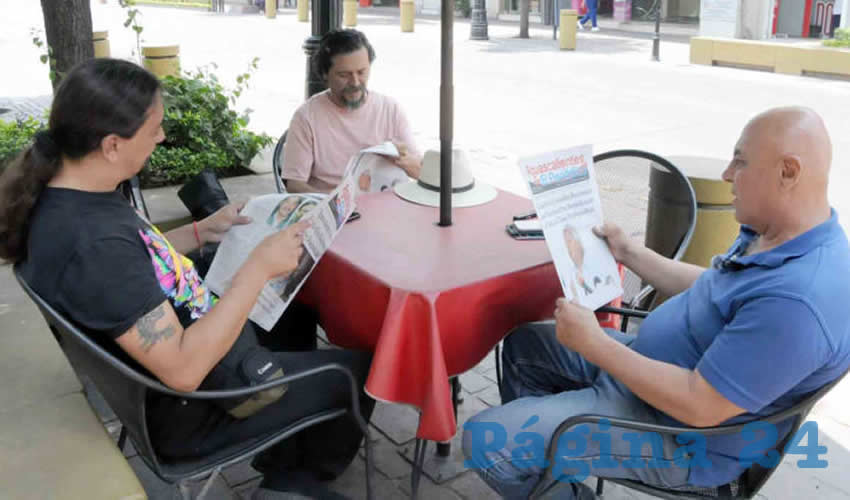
x=272, y=213
x=367, y=171
x=566, y=197
x=374, y=170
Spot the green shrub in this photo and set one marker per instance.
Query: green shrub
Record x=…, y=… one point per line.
x=201, y=131
x=15, y=136
x=464, y=7
x=842, y=39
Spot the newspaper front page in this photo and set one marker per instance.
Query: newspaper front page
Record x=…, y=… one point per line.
x=272, y=213
x=566, y=197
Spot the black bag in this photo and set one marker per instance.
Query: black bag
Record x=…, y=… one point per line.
x=246, y=364
x=203, y=195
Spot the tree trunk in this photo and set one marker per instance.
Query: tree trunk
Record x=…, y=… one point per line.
x=67, y=24
x=524, y=7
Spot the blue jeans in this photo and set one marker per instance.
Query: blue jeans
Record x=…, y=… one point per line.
x=544, y=379
x=591, y=12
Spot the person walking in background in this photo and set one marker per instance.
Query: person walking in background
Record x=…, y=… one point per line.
x=836, y=16
x=590, y=15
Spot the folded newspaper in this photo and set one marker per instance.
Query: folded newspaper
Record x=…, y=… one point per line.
x=566, y=197
x=373, y=169
x=366, y=172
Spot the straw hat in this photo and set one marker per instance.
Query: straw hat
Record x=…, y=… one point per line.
x=466, y=191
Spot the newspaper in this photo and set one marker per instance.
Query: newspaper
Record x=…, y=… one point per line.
x=566, y=197
x=272, y=213
x=374, y=170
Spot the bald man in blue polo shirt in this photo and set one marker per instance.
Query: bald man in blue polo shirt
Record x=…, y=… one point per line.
x=763, y=327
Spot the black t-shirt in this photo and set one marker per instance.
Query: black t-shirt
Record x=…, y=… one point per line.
x=100, y=264
x=97, y=261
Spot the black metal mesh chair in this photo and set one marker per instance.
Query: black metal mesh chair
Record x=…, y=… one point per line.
x=124, y=385
x=277, y=163
x=650, y=199
x=746, y=486
x=133, y=192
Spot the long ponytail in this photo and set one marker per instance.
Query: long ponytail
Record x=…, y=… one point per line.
x=98, y=97
x=20, y=186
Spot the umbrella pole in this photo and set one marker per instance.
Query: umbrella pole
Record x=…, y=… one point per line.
x=446, y=112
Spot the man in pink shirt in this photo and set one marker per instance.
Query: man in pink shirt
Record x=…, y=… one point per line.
x=335, y=124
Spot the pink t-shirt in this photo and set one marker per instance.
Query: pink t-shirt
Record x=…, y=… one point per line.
x=322, y=136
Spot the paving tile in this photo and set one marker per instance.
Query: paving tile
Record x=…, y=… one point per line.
x=428, y=490
x=790, y=482
x=352, y=484
x=836, y=404
x=397, y=422
x=157, y=489
x=471, y=407
x=23, y=107
x=486, y=364
x=240, y=473
x=443, y=469
x=473, y=382
x=387, y=460
x=470, y=486
x=490, y=396
x=491, y=375
x=218, y=491
x=246, y=491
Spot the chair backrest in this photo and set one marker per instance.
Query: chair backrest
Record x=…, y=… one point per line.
x=756, y=476
x=122, y=386
x=133, y=192
x=277, y=163
x=650, y=198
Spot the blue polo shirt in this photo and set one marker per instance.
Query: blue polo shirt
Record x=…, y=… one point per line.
x=764, y=330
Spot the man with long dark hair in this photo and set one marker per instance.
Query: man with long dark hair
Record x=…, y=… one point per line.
x=335, y=124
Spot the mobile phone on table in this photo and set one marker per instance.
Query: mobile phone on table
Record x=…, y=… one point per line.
x=524, y=233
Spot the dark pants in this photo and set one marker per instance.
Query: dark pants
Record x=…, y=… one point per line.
x=196, y=428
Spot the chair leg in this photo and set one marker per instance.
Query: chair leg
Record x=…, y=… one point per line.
x=208, y=483
x=418, y=463
x=599, y=484
x=498, y=353
x=367, y=449
x=457, y=393
x=122, y=438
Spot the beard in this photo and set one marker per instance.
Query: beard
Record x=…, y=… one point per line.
x=356, y=103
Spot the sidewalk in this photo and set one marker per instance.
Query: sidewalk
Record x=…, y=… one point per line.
x=512, y=98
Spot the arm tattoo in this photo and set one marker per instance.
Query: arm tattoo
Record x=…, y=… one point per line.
x=148, y=331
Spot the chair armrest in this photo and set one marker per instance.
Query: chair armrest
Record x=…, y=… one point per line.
x=641, y=296
x=636, y=313
x=249, y=390
x=670, y=429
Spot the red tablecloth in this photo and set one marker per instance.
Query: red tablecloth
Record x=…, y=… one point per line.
x=430, y=302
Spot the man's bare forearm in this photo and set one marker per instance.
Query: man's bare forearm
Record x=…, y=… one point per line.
x=668, y=276
x=664, y=386
x=208, y=339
